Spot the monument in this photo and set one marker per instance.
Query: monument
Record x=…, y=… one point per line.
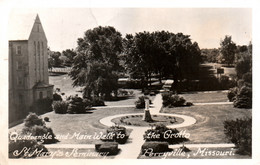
x=147, y=116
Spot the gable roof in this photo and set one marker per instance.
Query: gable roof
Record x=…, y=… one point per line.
x=20, y=26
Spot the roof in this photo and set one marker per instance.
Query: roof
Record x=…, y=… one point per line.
x=20, y=26
x=41, y=85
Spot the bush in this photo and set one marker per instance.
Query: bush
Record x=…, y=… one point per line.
x=32, y=119
x=76, y=105
x=60, y=107
x=19, y=145
x=174, y=100
x=224, y=82
x=189, y=103
x=110, y=147
x=140, y=103
x=232, y=93
x=247, y=77
x=36, y=126
x=119, y=134
x=155, y=147
x=46, y=119
x=57, y=97
x=87, y=103
x=96, y=101
x=41, y=131
x=239, y=132
x=244, y=98
x=160, y=131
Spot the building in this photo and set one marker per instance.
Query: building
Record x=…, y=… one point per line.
x=28, y=65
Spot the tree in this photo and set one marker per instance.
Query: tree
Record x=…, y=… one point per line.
x=50, y=63
x=161, y=53
x=96, y=64
x=56, y=58
x=228, y=50
x=69, y=54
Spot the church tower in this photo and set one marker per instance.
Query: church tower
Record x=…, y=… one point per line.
x=28, y=65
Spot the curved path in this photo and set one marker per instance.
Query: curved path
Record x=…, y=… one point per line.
x=187, y=120
x=132, y=149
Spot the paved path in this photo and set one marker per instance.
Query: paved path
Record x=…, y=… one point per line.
x=132, y=149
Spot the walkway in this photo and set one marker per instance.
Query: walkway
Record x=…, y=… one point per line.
x=132, y=149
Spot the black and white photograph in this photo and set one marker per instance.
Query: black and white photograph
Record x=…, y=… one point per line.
x=153, y=83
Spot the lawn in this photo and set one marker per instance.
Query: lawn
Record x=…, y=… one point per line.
x=209, y=126
x=69, y=127
x=205, y=97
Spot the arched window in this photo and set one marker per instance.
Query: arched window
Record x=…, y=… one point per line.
x=38, y=47
x=35, y=48
x=42, y=49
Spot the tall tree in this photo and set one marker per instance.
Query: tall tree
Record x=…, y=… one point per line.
x=69, y=54
x=96, y=64
x=228, y=50
x=161, y=53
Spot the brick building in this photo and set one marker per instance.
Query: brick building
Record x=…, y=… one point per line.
x=28, y=65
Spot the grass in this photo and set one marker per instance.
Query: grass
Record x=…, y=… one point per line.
x=136, y=120
x=202, y=97
x=209, y=127
x=85, y=124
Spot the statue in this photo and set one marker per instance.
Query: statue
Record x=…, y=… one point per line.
x=147, y=116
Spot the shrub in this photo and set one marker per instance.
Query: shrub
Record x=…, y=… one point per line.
x=154, y=147
x=119, y=134
x=247, y=77
x=46, y=119
x=239, y=132
x=19, y=145
x=60, y=107
x=36, y=126
x=232, y=93
x=96, y=101
x=76, y=105
x=41, y=131
x=160, y=131
x=189, y=103
x=140, y=103
x=32, y=119
x=56, y=97
x=87, y=103
x=224, y=82
x=244, y=98
x=174, y=100
x=110, y=147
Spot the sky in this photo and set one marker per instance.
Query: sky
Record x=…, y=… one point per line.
x=207, y=26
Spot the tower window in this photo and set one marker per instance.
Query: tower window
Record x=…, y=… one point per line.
x=19, y=65
x=38, y=47
x=35, y=51
x=42, y=49
x=18, y=50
